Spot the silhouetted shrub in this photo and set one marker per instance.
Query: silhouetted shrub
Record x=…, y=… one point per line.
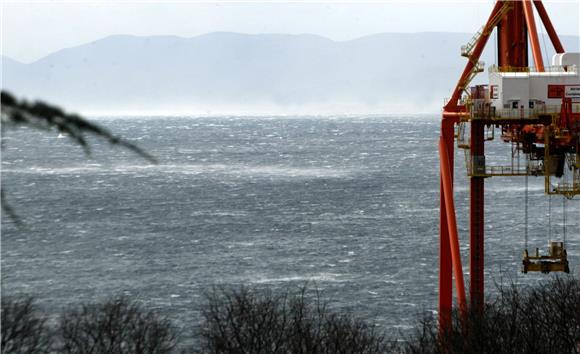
x=540, y=319
x=116, y=326
x=24, y=330
x=251, y=321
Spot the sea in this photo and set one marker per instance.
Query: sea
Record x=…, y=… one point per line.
x=346, y=205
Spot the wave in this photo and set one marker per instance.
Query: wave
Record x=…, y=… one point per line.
x=239, y=170
x=321, y=277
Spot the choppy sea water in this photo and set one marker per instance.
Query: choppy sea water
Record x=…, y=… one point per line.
x=349, y=204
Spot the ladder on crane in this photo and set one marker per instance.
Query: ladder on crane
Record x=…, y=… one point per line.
x=467, y=50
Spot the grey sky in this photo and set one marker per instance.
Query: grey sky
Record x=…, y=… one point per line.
x=32, y=29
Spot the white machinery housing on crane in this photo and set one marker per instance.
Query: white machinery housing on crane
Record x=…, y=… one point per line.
x=527, y=90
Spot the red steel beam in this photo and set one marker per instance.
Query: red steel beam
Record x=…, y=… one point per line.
x=512, y=43
x=452, y=105
x=449, y=253
x=476, y=221
x=549, y=27
x=533, y=33
x=447, y=183
x=445, y=269
x=445, y=257
x=445, y=263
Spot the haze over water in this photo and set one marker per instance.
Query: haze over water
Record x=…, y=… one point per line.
x=349, y=204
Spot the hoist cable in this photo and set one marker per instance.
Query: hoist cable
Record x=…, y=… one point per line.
x=544, y=41
x=564, y=221
x=495, y=46
x=549, y=218
x=526, y=214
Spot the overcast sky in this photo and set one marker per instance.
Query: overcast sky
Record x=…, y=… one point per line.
x=33, y=29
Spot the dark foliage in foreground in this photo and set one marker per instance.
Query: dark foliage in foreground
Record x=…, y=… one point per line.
x=117, y=326
x=247, y=321
x=23, y=327
x=542, y=319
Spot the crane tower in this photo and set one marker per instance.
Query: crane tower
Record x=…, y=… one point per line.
x=536, y=110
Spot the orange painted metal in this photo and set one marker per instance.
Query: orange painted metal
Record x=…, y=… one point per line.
x=452, y=105
x=512, y=44
x=445, y=263
x=513, y=31
x=549, y=27
x=445, y=268
x=447, y=184
x=533, y=33
x=449, y=255
x=454, y=117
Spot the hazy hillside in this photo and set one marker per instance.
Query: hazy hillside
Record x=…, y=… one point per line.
x=229, y=72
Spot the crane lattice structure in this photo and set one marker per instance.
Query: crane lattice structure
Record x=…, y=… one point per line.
x=536, y=109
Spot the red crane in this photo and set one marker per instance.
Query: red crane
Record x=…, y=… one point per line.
x=536, y=109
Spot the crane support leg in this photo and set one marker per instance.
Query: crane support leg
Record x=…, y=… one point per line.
x=445, y=263
x=451, y=231
x=536, y=52
x=476, y=218
x=445, y=269
x=512, y=44
x=549, y=27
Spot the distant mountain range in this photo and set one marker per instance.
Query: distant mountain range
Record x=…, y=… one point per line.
x=240, y=73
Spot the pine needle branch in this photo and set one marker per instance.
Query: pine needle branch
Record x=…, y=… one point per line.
x=44, y=116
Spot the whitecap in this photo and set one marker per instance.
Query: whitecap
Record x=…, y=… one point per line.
x=403, y=326
x=322, y=277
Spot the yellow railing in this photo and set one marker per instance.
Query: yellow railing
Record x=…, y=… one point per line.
x=488, y=112
x=496, y=171
x=567, y=189
x=506, y=171
x=530, y=69
x=517, y=168
x=467, y=49
x=515, y=69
